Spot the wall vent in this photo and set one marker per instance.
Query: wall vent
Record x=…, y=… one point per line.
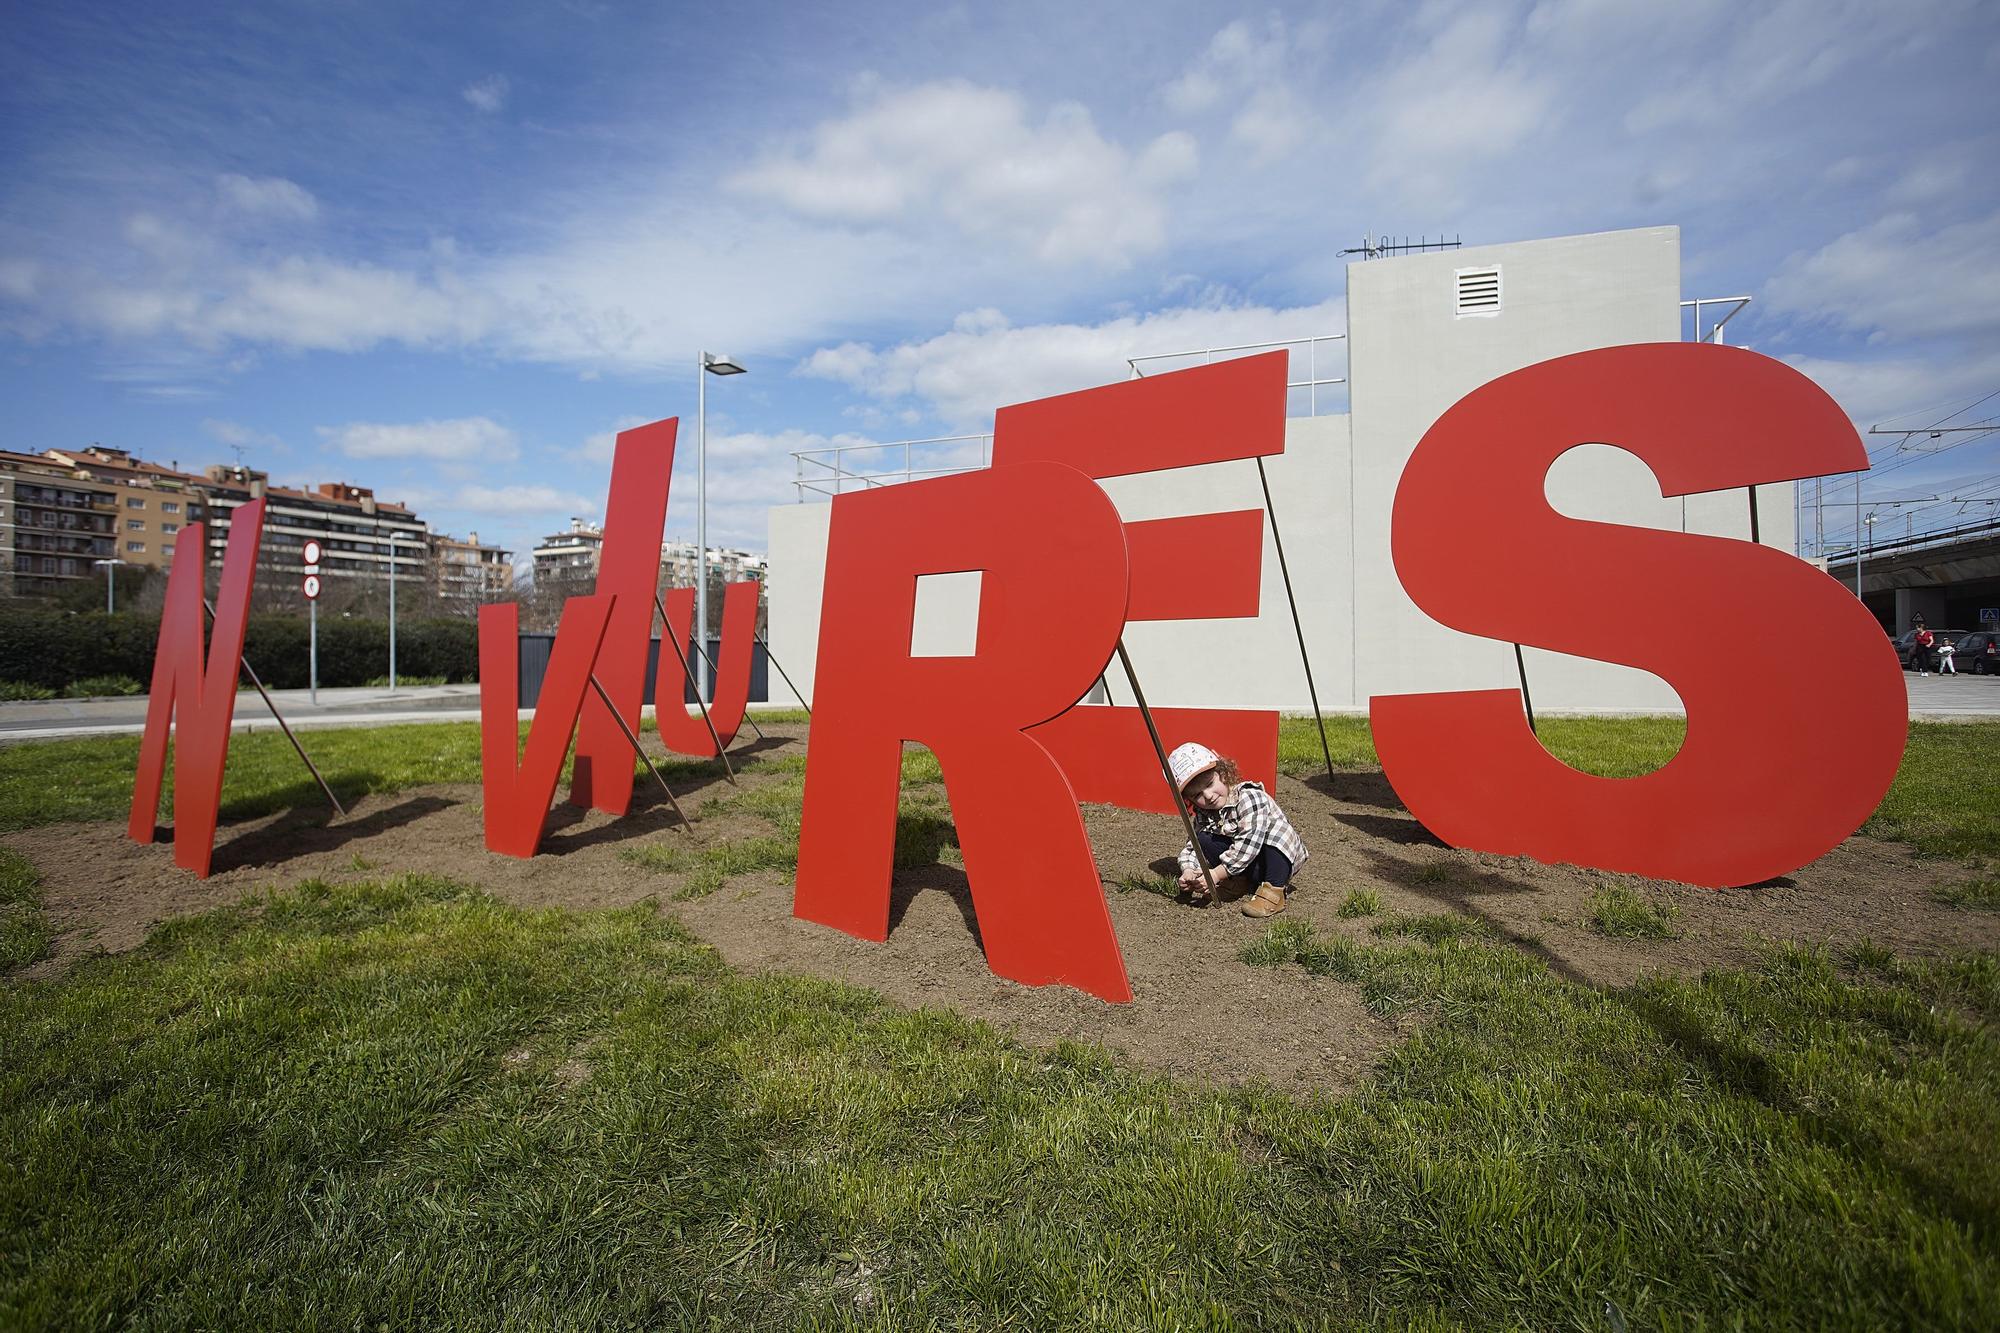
x=1478, y=291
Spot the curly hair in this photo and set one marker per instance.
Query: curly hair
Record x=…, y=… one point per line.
x=1225, y=767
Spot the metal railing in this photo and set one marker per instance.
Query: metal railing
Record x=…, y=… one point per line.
x=1312, y=383
x=1714, y=334
x=826, y=471
x=1917, y=541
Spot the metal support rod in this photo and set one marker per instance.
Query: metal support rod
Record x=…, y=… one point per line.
x=1297, y=628
x=1755, y=535
x=770, y=657
x=1167, y=772
x=687, y=673
x=639, y=750
x=1521, y=665
x=339, y=811
x=1104, y=683
x=713, y=673
x=1857, y=539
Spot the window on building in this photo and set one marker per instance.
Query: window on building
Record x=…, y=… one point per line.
x=135, y=525
x=134, y=502
x=166, y=550
x=169, y=507
x=170, y=527
x=194, y=511
x=136, y=548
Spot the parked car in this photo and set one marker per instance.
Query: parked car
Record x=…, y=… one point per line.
x=1979, y=652
x=1906, y=648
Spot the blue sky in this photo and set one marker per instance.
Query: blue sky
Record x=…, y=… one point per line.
x=447, y=250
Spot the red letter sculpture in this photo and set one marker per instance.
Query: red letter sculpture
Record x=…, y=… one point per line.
x=196, y=692
x=682, y=731
x=1776, y=770
x=518, y=788
x=1052, y=602
x=1210, y=414
x=635, y=514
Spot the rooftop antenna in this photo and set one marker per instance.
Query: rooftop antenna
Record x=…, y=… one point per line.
x=1374, y=247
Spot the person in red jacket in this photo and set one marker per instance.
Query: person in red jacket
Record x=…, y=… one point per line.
x=1920, y=648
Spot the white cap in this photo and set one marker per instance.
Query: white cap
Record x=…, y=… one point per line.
x=1189, y=762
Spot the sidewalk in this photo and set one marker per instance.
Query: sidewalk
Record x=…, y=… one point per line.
x=49, y=719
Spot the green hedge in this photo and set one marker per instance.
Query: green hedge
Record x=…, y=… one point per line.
x=56, y=649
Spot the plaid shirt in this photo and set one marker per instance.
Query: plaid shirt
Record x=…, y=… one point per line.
x=1253, y=819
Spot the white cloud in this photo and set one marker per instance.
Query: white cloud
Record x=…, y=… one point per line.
x=599, y=447
x=1899, y=390
x=1248, y=68
x=488, y=94
x=970, y=156
x=266, y=197
x=548, y=502
x=466, y=439
x=983, y=364
x=235, y=434
x=1467, y=91
x=1894, y=280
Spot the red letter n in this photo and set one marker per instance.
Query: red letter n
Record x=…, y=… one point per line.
x=194, y=691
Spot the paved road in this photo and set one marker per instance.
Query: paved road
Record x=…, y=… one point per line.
x=1931, y=697
x=1953, y=696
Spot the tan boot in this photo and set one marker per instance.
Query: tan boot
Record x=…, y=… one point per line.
x=1269, y=900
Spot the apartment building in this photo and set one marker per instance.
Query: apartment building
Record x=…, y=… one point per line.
x=361, y=537
x=154, y=502
x=469, y=571
x=54, y=526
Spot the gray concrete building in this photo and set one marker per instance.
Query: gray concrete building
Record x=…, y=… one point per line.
x=1422, y=331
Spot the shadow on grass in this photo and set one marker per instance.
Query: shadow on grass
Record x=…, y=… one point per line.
x=306, y=831
x=1462, y=893
x=1751, y=1074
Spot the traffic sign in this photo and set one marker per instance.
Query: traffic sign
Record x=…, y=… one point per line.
x=312, y=552
x=312, y=587
x=1989, y=614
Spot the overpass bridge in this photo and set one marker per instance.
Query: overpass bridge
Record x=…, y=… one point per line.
x=1948, y=577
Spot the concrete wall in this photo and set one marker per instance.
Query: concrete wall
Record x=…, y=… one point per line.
x=1412, y=356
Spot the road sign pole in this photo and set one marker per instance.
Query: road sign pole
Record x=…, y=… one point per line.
x=311, y=585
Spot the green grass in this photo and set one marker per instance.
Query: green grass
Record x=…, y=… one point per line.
x=1981, y=895
x=95, y=687
x=16, y=691
x=1359, y=902
x=1619, y=911
x=1165, y=886
x=401, y=1103
x=1946, y=801
x=49, y=782
x=1612, y=747
x=24, y=931
x=406, y=682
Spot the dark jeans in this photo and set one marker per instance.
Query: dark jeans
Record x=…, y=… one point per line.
x=1271, y=866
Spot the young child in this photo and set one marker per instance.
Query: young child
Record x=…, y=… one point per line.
x=1241, y=829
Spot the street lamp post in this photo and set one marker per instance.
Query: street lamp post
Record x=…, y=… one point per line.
x=110, y=583
x=711, y=364
x=1869, y=523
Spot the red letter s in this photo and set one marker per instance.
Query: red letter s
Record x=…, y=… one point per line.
x=1776, y=769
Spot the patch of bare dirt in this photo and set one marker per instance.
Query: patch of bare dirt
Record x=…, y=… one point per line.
x=1198, y=1010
